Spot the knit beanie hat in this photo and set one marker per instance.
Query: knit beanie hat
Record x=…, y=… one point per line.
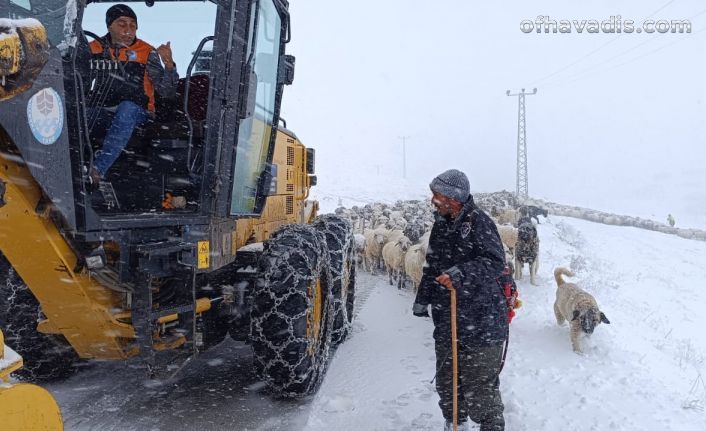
x=115, y=12
x=453, y=184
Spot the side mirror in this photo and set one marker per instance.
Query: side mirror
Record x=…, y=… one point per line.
x=266, y=180
x=310, y=161
x=273, y=182
x=247, y=106
x=312, y=180
x=286, y=69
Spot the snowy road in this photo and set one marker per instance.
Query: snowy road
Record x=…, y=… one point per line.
x=218, y=391
x=642, y=372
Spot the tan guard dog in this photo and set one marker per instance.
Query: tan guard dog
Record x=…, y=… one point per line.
x=577, y=306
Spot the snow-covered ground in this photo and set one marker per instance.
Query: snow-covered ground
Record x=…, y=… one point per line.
x=641, y=372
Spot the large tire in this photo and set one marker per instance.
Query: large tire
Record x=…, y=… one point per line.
x=292, y=314
x=341, y=252
x=46, y=357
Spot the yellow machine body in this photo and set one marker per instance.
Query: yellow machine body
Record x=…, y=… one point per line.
x=121, y=307
x=288, y=204
x=93, y=317
x=24, y=407
x=25, y=40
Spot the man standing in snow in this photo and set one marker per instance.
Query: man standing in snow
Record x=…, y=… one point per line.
x=465, y=254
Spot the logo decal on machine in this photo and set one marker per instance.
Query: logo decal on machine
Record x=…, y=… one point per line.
x=45, y=115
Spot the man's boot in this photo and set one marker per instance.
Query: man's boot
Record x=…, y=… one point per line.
x=493, y=424
x=461, y=426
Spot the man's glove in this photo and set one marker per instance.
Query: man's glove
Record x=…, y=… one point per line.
x=456, y=276
x=420, y=310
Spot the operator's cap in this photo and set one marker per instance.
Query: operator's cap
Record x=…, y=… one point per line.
x=115, y=12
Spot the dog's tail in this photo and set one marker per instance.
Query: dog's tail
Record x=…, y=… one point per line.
x=558, y=272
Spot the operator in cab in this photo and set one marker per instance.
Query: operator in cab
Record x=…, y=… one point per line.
x=123, y=96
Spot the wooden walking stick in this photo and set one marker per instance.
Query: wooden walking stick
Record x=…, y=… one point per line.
x=454, y=359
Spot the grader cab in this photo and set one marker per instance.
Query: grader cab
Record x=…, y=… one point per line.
x=201, y=229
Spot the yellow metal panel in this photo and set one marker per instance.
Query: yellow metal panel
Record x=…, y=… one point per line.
x=46, y=326
x=26, y=407
x=9, y=360
x=274, y=214
x=23, y=53
x=169, y=344
x=11, y=53
x=79, y=307
x=204, y=255
x=202, y=305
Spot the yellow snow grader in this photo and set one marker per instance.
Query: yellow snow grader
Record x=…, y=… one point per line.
x=202, y=228
x=24, y=406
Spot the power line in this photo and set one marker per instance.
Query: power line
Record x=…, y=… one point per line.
x=596, y=66
x=575, y=62
x=578, y=76
x=660, y=9
x=561, y=69
x=681, y=39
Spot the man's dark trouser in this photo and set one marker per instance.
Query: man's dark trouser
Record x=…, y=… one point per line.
x=478, y=382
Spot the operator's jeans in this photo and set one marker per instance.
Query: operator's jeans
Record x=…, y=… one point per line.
x=122, y=121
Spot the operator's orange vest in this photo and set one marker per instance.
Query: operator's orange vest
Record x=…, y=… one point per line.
x=125, y=81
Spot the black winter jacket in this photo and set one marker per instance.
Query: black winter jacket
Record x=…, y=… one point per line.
x=469, y=250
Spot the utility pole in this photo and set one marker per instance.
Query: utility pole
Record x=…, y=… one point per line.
x=404, y=155
x=522, y=188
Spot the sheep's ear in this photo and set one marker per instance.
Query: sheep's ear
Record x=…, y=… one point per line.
x=576, y=315
x=604, y=319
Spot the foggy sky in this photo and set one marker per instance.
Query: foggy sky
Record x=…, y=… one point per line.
x=371, y=71
x=622, y=127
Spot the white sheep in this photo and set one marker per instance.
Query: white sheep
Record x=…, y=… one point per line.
x=394, y=235
x=359, y=246
x=508, y=236
x=373, y=250
x=424, y=241
x=375, y=239
x=508, y=216
x=414, y=261
x=393, y=254
x=397, y=220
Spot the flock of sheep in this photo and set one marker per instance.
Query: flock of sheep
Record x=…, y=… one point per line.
x=394, y=238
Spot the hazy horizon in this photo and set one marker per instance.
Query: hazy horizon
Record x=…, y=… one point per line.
x=628, y=130
x=616, y=124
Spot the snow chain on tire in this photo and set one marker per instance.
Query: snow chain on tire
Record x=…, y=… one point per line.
x=291, y=317
x=46, y=357
x=339, y=238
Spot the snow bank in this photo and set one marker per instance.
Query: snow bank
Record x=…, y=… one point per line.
x=643, y=371
x=617, y=220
